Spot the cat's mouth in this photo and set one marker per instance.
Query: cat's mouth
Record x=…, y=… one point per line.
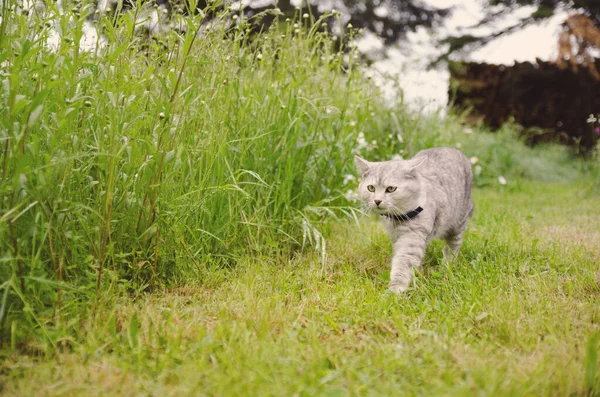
x=388, y=211
x=382, y=210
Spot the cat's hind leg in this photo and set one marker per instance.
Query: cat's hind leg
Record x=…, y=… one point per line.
x=453, y=244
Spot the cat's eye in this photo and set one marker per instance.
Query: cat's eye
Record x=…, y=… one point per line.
x=371, y=188
x=390, y=189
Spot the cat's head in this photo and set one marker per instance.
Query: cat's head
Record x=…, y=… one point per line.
x=389, y=187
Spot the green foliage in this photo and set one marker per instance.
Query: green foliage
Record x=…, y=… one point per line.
x=149, y=163
x=591, y=365
x=142, y=163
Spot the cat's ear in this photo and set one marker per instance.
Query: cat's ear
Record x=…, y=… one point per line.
x=362, y=165
x=414, y=164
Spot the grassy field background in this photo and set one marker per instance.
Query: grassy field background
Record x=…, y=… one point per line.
x=178, y=217
x=517, y=313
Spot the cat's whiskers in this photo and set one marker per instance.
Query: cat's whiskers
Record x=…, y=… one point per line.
x=396, y=211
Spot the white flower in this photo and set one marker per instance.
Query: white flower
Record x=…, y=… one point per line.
x=474, y=160
x=352, y=123
x=305, y=15
x=478, y=170
x=349, y=178
x=332, y=110
x=591, y=119
x=259, y=56
x=396, y=157
x=458, y=145
x=468, y=131
x=502, y=180
x=362, y=142
x=351, y=195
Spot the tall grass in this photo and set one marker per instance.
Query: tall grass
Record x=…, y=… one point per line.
x=147, y=161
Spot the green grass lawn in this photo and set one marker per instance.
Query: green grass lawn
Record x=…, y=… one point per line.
x=517, y=314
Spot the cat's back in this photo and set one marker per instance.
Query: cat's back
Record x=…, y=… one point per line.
x=447, y=176
x=443, y=154
x=445, y=163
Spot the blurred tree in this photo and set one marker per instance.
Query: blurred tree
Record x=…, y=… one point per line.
x=544, y=9
x=551, y=99
x=390, y=19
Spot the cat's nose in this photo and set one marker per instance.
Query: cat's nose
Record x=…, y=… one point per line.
x=377, y=202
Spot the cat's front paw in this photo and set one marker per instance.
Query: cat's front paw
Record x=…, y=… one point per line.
x=397, y=288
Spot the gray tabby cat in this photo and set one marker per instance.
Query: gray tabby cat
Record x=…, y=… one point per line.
x=426, y=197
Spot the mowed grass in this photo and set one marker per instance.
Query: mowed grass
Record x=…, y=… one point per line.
x=518, y=313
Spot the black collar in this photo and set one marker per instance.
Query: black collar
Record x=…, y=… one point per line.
x=404, y=217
